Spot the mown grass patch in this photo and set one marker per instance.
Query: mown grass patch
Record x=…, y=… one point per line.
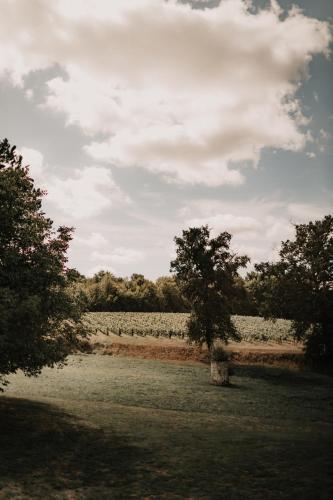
x=106, y=427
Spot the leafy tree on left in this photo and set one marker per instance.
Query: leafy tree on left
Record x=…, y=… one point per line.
x=39, y=318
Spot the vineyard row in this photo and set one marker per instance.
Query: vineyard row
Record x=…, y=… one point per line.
x=173, y=325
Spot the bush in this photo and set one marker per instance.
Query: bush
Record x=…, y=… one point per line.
x=219, y=354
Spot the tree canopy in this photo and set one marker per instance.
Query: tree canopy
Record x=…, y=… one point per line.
x=107, y=292
x=39, y=319
x=206, y=270
x=300, y=286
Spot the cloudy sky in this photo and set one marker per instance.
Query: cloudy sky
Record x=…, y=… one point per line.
x=144, y=117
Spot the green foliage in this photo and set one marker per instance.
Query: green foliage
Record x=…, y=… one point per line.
x=206, y=271
x=39, y=321
x=170, y=296
x=243, y=302
x=300, y=286
x=219, y=354
x=106, y=292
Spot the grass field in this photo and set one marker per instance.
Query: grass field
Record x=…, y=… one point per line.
x=106, y=427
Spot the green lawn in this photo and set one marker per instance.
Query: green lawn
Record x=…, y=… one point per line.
x=106, y=427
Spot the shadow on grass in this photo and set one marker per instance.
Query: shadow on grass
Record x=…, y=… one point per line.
x=282, y=376
x=43, y=450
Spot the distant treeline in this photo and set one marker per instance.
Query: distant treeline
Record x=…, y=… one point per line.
x=106, y=292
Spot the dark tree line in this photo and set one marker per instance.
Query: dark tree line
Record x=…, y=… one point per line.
x=107, y=292
x=299, y=286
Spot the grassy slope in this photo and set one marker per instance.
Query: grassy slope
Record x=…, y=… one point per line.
x=108, y=427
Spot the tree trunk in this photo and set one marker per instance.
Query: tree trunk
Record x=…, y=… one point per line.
x=219, y=372
x=326, y=348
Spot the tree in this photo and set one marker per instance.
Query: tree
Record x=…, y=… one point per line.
x=106, y=292
x=206, y=270
x=169, y=295
x=39, y=319
x=141, y=294
x=300, y=286
x=243, y=303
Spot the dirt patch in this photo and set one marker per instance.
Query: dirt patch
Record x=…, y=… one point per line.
x=167, y=352
x=239, y=355
x=287, y=359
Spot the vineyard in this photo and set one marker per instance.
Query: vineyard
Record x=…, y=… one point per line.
x=173, y=325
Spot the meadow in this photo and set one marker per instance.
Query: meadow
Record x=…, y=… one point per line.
x=111, y=427
x=173, y=325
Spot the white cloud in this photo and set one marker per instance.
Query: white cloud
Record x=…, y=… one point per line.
x=29, y=94
x=95, y=240
x=311, y=155
x=124, y=257
x=187, y=93
x=109, y=250
x=119, y=255
x=234, y=224
x=260, y=232
x=87, y=194
x=303, y=212
x=100, y=267
x=324, y=134
x=34, y=159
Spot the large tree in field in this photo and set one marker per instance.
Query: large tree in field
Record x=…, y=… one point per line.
x=206, y=270
x=39, y=319
x=300, y=286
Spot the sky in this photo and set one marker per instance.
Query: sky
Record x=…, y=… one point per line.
x=143, y=118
